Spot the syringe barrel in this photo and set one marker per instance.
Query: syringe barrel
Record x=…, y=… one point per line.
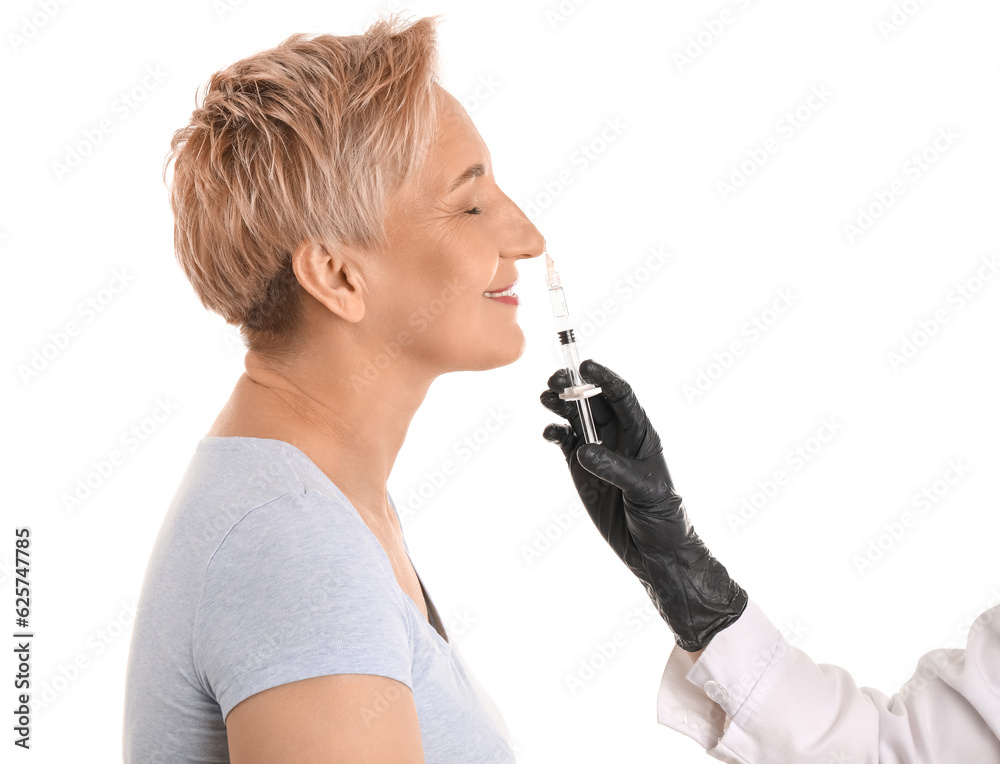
x=587, y=421
x=560, y=310
x=570, y=356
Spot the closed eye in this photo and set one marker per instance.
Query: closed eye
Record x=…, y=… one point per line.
x=475, y=211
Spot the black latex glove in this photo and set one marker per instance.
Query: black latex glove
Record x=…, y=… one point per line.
x=626, y=488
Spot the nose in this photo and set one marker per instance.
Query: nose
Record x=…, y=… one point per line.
x=522, y=239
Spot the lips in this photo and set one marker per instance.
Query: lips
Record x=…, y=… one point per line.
x=507, y=291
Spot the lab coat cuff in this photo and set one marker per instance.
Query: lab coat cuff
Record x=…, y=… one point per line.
x=699, y=699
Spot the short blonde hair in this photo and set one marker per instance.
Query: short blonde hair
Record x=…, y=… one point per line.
x=303, y=141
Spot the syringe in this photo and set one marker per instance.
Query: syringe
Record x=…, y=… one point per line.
x=578, y=391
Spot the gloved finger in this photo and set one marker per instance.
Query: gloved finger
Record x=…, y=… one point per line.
x=562, y=435
x=559, y=381
x=613, y=468
x=617, y=392
x=555, y=404
x=599, y=407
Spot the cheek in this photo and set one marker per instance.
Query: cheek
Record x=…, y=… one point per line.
x=440, y=309
x=461, y=283
x=437, y=288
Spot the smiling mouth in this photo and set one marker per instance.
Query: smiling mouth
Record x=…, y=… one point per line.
x=508, y=292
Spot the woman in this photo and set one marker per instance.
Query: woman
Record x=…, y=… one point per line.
x=335, y=203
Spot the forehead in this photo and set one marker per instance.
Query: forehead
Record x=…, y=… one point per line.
x=456, y=145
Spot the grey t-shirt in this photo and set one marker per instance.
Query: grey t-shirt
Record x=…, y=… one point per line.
x=263, y=573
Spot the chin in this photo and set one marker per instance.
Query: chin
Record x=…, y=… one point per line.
x=515, y=348
x=495, y=356
x=515, y=353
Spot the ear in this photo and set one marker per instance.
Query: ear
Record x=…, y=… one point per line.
x=331, y=278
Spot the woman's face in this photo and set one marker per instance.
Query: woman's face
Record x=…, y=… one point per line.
x=452, y=237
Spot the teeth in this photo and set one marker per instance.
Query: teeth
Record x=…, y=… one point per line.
x=505, y=293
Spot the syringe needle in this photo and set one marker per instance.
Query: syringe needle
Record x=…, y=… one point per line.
x=551, y=277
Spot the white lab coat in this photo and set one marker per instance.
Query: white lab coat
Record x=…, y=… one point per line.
x=752, y=698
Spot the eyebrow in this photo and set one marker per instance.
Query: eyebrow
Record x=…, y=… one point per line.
x=472, y=171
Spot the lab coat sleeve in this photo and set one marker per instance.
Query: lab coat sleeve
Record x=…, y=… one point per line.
x=752, y=698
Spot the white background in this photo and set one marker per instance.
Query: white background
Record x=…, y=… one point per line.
x=558, y=73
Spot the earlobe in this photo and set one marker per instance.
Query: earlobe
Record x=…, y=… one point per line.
x=331, y=278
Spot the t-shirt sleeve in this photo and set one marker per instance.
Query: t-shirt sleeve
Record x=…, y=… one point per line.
x=298, y=588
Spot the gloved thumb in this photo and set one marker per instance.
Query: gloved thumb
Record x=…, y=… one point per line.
x=604, y=463
x=562, y=435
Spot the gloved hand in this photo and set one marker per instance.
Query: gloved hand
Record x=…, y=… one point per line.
x=626, y=488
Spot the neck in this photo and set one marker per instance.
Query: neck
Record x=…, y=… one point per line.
x=349, y=424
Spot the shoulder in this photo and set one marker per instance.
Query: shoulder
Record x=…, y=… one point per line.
x=298, y=588
x=304, y=534
x=253, y=482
